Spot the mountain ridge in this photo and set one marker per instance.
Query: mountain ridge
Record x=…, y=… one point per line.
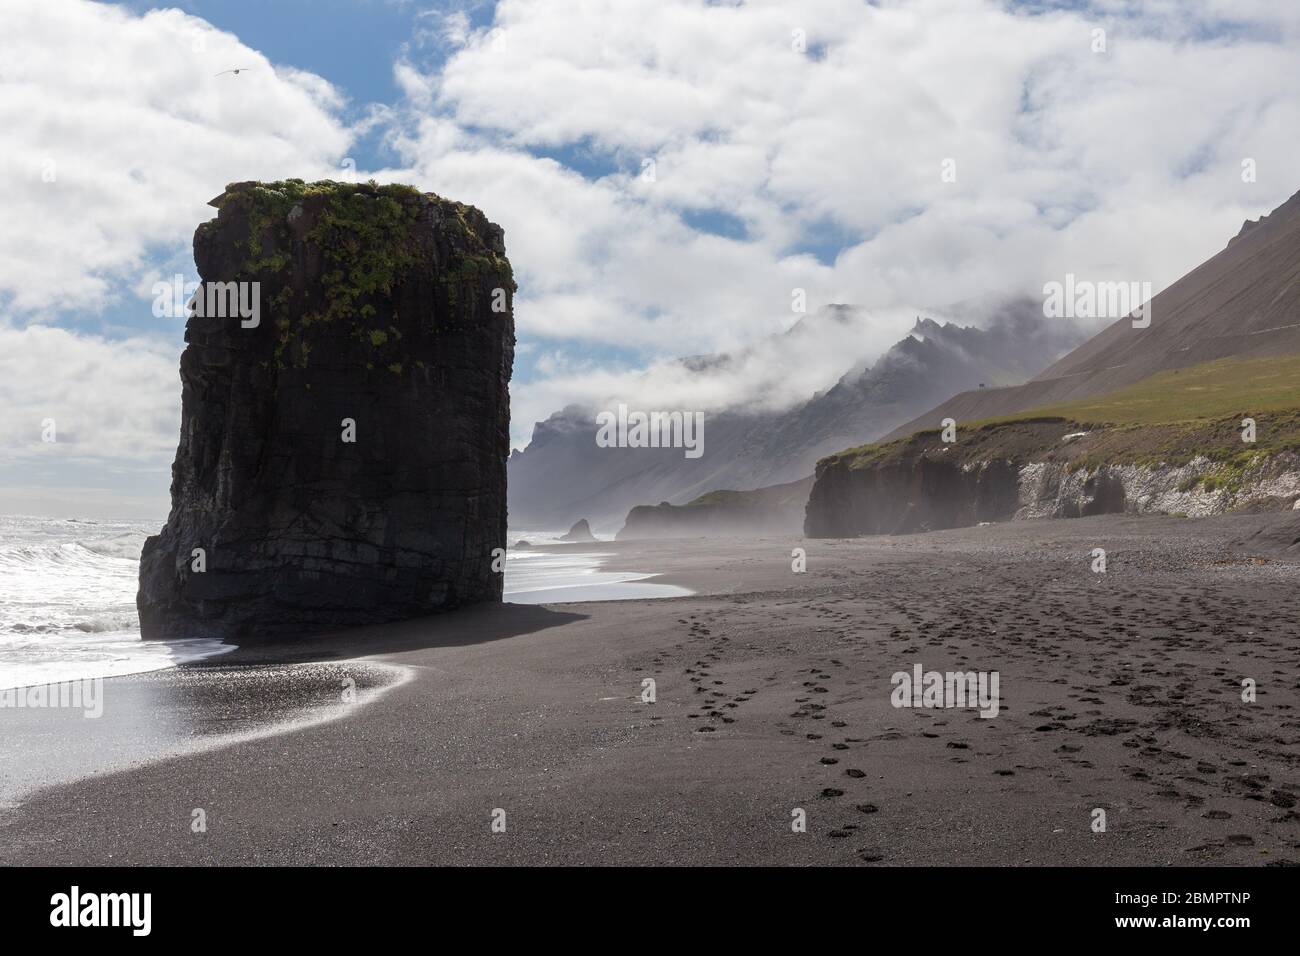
x=562, y=474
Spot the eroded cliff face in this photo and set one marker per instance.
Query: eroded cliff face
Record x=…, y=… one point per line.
x=924, y=494
x=1056, y=490
x=342, y=457
x=1033, y=469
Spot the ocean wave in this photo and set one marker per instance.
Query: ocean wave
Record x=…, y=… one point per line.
x=126, y=546
x=54, y=586
x=107, y=623
x=67, y=602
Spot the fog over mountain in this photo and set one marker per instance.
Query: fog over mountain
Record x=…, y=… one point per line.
x=757, y=431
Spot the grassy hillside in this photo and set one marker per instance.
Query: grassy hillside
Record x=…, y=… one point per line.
x=1239, y=304
x=1171, y=417
x=1223, y=388
x=792, y=494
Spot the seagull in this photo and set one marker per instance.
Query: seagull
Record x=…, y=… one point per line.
x=236, y=72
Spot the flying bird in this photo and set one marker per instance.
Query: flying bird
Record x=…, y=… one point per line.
x=236, y=72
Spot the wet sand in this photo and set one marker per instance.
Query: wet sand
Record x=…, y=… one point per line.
x=132, y=720
x=1119, y=692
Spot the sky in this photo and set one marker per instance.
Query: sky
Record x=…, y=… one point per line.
x=668, y=173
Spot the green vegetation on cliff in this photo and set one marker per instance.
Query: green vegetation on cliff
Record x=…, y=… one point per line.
x=369, y=237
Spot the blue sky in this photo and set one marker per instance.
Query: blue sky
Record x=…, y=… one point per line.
x=354, y=44
x=351, y=43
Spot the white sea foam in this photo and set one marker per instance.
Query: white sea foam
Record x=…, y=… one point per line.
x=67, y=603
x=553, y=577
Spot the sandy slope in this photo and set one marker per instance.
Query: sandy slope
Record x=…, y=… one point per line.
x=1119, y=691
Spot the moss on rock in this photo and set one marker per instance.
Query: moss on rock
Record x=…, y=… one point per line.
x=366, y=239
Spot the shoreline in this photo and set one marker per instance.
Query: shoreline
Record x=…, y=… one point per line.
x=185, y=654
x=123, y=653
x=585, y=578
x=158, y=694
x=181, y=710
x=1119, y=691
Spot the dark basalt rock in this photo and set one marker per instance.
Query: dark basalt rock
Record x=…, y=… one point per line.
x=902, y=497
x=379, y=305
x=581, y=531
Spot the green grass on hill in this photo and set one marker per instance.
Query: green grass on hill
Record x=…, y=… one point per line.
x=724, y=497
x=1216, y=389
x=1171, y=417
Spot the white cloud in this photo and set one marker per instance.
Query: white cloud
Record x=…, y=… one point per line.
x=117, y=133
x=108, y=400
x=772, y=373
x=1121, y=164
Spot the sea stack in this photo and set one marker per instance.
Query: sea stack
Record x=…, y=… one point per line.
x=345, y=415
x=581, y=531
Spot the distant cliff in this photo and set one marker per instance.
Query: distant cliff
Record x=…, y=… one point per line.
x=342, y=452
x=1056, y=468
x=777, y=509
x=1162, y=407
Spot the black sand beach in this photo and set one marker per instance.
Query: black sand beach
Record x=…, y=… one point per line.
x=1120, y=691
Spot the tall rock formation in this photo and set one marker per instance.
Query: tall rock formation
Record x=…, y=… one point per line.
x=344, y=434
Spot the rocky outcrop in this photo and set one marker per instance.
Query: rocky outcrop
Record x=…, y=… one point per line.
x=924, y=494
x=1038, y=469
x=580, y=532
x=342, y=457
x=778, y=509
x=1056, y=490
